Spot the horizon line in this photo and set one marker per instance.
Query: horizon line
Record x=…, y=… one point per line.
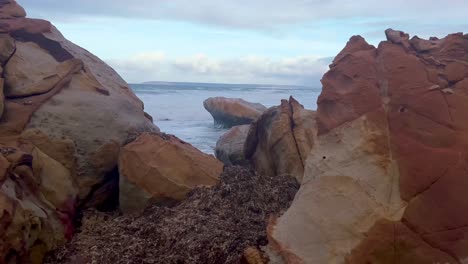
x=211, y=83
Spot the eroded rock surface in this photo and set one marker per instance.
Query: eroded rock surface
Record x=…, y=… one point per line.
x=385, y=180
x=228, y=112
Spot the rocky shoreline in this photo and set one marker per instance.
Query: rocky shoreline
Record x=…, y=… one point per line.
x=380, y=169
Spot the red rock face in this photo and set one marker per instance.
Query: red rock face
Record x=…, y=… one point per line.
x=351, y=79
x=423, y=87
x=385, y=181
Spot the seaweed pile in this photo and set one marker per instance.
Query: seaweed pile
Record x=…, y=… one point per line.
x=213, y=225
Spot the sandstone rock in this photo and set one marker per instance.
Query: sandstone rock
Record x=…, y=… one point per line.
x=67, y=93
x=11, y=9
x=62, y=150
x=280, y=140
x=397, y=37
x=349, y=183
x=394, y=241
x=304, y=128
x=385, y=179
x=456, y=71
x=230, y=146
x=2, y=97
x=230, y=112
x=57, y=184
x=68, y=113
x=102, y=118
x=356, y=43
x=161, y=167
x=27, y=79
x=37, y=199
x=422, y=45
x=7, y=47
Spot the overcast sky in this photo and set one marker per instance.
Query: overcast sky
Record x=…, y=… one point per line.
x=237, y=41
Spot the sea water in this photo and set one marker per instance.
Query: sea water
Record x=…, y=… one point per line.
x=177, y=108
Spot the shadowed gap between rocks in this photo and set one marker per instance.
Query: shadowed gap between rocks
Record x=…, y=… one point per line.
x=107, y=193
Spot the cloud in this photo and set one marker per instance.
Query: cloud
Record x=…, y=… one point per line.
x=155, y=66
x=258, y=14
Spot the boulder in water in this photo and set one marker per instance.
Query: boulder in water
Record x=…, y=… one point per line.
x=229, y=112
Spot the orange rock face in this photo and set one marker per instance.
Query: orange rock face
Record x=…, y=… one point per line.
x=159, y=167
x=391, y=157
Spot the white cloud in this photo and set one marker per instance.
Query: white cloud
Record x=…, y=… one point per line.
x=154, y=56
x=265, y=14
x=155, y=66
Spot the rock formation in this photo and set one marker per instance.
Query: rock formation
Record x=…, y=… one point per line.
x=280, y=140
x=63, y=116
x=385, y=180
x=228, y=112
x=230, y=146
x=37, y=202
x=159, y=167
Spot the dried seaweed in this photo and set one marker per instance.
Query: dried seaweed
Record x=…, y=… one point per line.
x=213, y=225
